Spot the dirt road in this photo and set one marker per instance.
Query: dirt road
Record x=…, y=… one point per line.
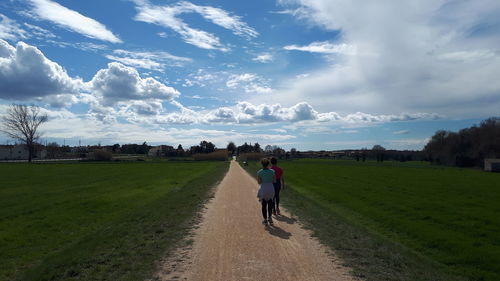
x=232, y=243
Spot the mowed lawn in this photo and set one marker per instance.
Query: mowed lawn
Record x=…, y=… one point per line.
x=447, y=215
x=82, y=220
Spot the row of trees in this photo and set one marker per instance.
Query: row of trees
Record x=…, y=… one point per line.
x=203, y=147
x=467, y=147
x=247, y=148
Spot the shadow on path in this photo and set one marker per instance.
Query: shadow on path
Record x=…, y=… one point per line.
x=276, y=231
x=286, y=219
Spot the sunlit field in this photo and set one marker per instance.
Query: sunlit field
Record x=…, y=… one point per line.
x=448, y=216
x=94, y=221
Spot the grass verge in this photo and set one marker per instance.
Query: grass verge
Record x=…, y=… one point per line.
x=118, y=222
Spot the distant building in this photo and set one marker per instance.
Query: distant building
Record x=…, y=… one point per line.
x=492, y=165
x=20, y=152
x=161, y=151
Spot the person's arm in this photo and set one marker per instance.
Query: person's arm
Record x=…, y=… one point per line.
x=259, y=180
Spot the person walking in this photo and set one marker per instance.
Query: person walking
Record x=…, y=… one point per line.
x=279, y=184
x=266, y=179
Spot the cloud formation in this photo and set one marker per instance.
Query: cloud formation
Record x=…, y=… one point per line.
x=26, y=74
x=167, y=16
x=72, y=128
x=248, y=113
x=71, y=20
x=11, y=30
x=147, y=60
x=324, y=47
x=418, y=55
x=249, y=82
x=118, y=83
x=264, y=58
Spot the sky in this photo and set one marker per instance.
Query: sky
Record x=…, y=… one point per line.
x=304, y=74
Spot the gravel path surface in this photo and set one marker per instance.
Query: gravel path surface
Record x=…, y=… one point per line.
x=231, y=243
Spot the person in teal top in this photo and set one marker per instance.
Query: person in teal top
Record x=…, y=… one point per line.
x=266, y=179
x=266, y=175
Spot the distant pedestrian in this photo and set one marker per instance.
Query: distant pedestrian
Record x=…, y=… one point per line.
x=279, y=184
x=266, y=178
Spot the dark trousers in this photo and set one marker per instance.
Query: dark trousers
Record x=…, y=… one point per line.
x=267, y=208
x=277, y=188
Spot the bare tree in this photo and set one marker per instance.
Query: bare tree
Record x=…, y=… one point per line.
x=21, y=122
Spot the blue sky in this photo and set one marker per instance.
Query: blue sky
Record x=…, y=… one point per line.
x=308, y=74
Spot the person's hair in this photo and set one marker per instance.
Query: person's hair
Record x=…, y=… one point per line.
x=274, y=161
x=264, y=162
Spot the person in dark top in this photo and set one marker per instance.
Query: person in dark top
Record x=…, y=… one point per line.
x=279, y=184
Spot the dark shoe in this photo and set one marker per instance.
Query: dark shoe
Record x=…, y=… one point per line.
x=270, y=220
x=264, y=222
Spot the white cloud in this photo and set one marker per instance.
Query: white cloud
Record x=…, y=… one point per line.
x=122, y=83
x=11, y=30
x=202, y=77
x=89, y=46
x=237, y=79
x=71, y=20
x=324, y=48
x=302, y=114
x=38, y=32
x=72, y=127
x=221, y=18
x=469, y=56
x=147, y=60
x=401, y=132
x=418, y=56
x=360, y=117
x=166, y=16
x=249, y=82
x=26, y=74
x=264, y=58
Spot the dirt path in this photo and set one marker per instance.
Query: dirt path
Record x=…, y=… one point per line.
x=232, y=244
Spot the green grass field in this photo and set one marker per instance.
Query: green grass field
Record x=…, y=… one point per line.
x=96, y=221
x=401, y=221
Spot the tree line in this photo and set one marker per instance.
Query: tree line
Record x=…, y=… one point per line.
x=467, y=147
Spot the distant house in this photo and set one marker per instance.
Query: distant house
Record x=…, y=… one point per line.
x=161, y=151
x=20, y=152
x=492, y=165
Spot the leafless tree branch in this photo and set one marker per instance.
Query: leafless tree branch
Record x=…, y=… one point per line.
x=21, y=122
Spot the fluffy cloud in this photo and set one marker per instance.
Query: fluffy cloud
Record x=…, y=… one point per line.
x=71, y=20
x=118, y=90
x=303, y=113
x=249, y=113
x=438, y=56
x=166, y=16
x=119, y=83
x=25, y=73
